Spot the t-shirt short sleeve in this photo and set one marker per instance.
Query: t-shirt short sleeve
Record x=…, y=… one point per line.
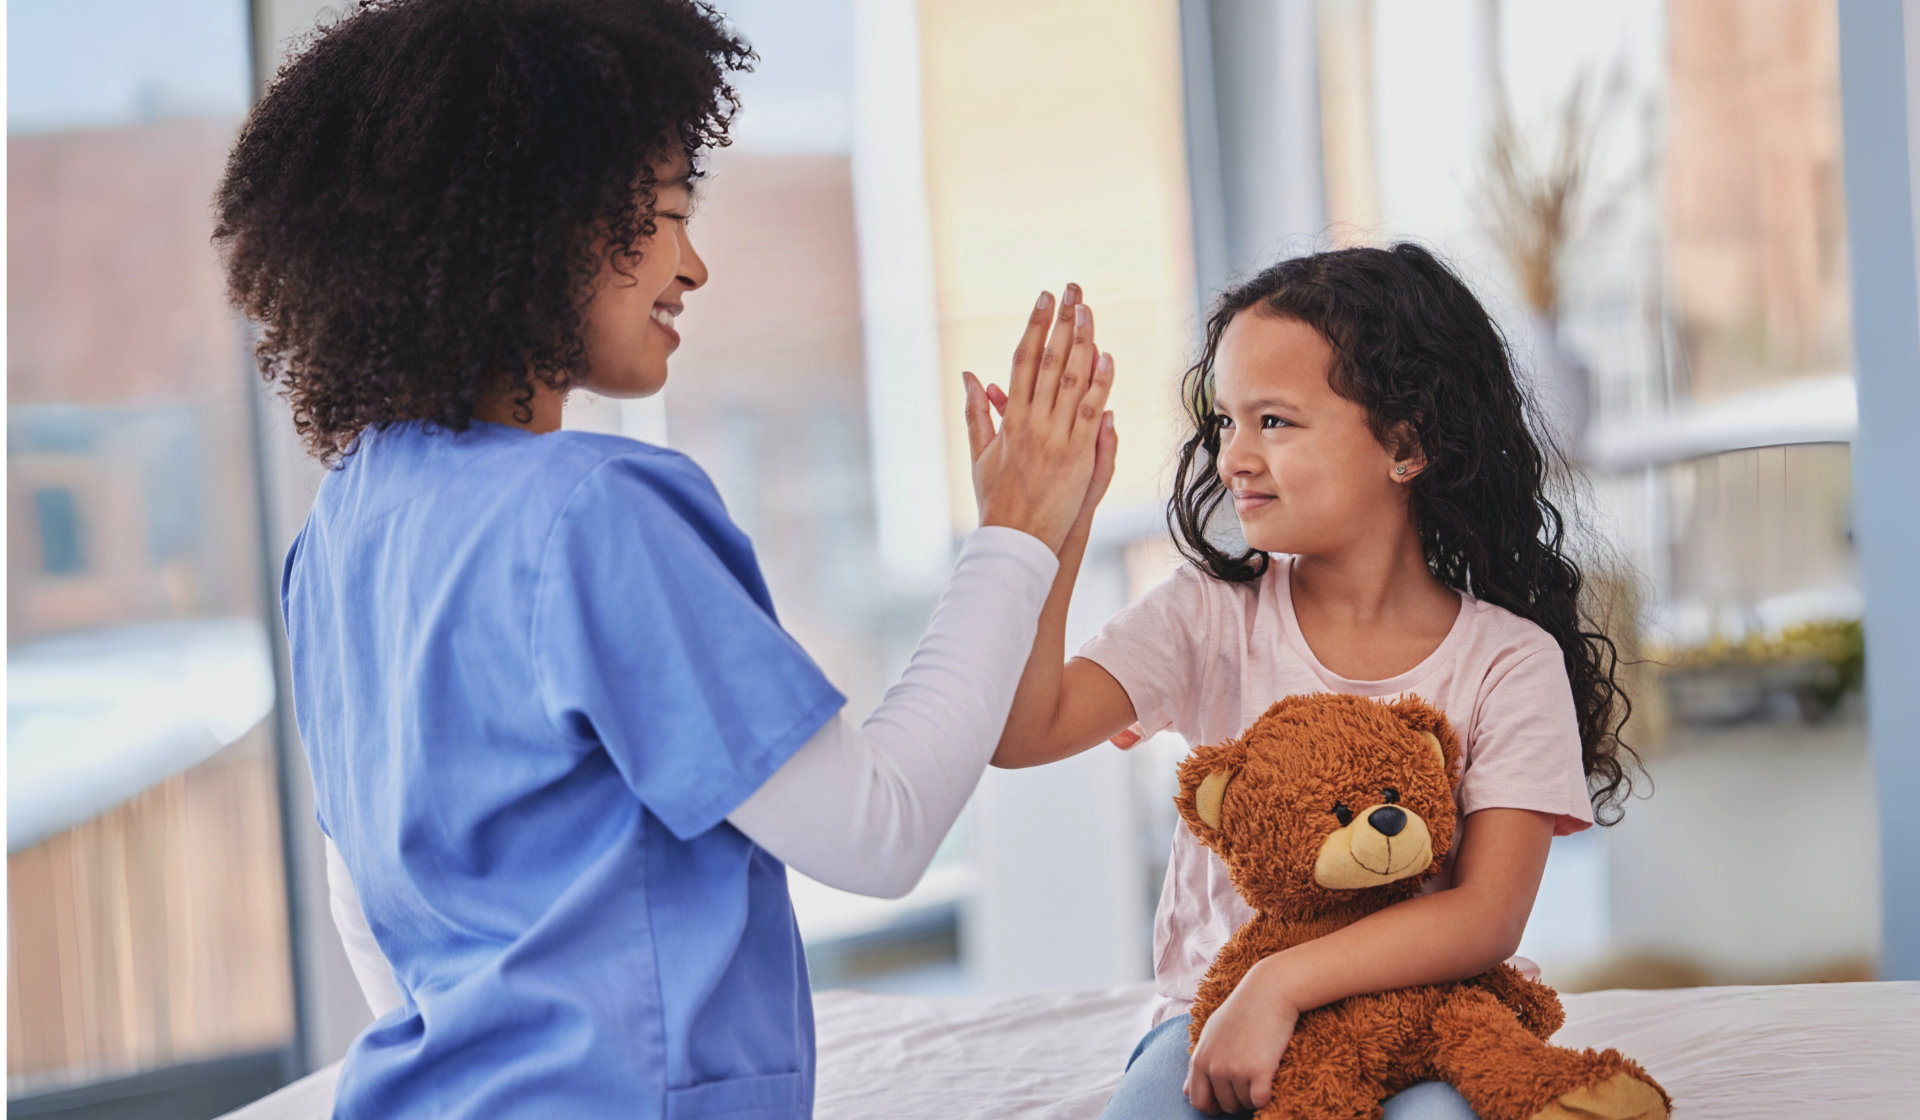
x=1526, y=745
x=1152, y=648
x=654, y=637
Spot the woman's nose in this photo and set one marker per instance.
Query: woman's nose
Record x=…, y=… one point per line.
x=693, y=270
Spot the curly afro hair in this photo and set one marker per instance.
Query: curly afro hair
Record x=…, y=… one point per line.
x=1415, y=348
x=417, y=208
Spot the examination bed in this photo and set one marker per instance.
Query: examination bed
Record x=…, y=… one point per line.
x=1757, y=1053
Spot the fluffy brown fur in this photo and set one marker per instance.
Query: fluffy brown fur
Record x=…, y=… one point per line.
x=1302, y=788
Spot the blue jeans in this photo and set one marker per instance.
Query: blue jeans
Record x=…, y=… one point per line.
x=1150, y=1090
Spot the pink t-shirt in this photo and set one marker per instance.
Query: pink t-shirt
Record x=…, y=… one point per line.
x=1204, y=657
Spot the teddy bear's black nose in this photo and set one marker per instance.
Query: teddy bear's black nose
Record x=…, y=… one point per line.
x=1387, y=820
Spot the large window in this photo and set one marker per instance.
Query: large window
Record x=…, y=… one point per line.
x=148, y=947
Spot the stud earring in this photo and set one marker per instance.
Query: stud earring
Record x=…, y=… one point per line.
x=1399, y=470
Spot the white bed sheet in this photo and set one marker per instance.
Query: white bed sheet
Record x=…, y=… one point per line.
x=1802, y=1052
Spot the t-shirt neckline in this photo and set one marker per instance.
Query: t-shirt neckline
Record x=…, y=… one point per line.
x=1395, y=684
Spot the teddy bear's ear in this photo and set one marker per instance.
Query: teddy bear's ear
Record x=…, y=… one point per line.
x=1207, y=799
x=1204, y=778
x=1432, y=728
x=1439, y=755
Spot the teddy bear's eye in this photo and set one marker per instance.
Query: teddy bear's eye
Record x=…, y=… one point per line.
x=1390, y=795
x=1343, y=814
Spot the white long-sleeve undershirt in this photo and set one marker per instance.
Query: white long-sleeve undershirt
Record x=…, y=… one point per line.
x=864, y=808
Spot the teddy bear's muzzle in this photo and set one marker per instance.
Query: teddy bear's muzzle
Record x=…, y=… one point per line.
x=1383, y=844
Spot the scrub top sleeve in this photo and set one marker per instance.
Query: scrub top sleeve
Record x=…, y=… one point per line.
x=654, y=639
x=287, y=576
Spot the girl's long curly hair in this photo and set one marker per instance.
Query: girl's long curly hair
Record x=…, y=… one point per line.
x=417, y=208
x=1414, y=347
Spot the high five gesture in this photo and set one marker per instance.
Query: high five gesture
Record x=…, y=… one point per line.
x=1050, y=460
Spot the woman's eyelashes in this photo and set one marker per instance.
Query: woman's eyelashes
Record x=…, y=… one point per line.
x=680, y=209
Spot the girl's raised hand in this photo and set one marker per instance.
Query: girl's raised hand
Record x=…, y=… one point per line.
x=1037, y=473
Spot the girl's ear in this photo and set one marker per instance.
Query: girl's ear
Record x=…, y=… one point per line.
x=1409, y=458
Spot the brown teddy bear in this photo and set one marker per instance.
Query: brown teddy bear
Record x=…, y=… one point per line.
x=1329, y=808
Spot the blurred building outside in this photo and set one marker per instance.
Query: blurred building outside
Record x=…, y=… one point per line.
x=147, y=903
x=905, y=178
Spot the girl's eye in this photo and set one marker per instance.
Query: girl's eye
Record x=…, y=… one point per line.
x=1271, y=422
x=675, y=217
x=1390, y=795
x=1342, y=814
x=1220, y=421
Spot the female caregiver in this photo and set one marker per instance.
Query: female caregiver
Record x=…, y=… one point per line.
x=561, y=747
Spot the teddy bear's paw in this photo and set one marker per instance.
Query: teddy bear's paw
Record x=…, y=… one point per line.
x=1620, y=1097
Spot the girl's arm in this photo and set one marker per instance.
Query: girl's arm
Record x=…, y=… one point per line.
x=1062, y=709
x=1059, y=709
x=1431, y=939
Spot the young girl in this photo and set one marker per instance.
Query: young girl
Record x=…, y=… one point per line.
x=1360, y=410
x=561, y=748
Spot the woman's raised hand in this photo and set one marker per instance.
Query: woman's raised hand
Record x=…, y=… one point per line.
x=1049, y=463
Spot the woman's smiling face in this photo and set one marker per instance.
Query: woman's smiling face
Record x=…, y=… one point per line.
x=1301, y=463
x=628, y=321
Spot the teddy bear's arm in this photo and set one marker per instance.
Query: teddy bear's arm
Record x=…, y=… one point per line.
x=1533, y=1003
x=1506, y=1072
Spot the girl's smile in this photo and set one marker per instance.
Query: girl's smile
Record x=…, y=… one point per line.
x=1245, y=501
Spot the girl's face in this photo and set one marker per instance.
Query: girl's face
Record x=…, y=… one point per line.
x=629, y=318
x=1304, y=470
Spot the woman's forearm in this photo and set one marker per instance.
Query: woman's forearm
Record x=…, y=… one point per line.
x=1027, y=738
x=865, y=808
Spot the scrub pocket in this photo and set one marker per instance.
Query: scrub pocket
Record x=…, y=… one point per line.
x=772, y=1096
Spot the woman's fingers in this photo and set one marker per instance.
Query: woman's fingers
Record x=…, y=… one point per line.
x=1053, y=359
x=1076, y=371
x=1038, y=469
x=979, y=416
x=1076, y=381
x=1094, y=403
x=1026, y=356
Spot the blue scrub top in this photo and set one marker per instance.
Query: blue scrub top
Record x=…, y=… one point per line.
x=533, y=674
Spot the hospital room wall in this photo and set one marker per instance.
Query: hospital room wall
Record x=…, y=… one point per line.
x=1054, y=151
x=1879, y=47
